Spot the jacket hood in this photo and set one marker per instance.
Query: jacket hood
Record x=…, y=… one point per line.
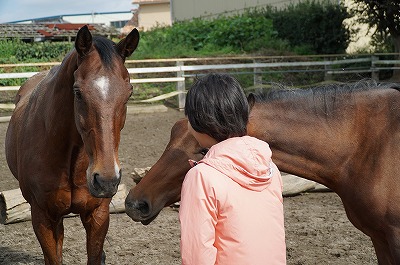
x=246, y=160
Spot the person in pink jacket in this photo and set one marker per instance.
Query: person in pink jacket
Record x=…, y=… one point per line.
x=231, y=209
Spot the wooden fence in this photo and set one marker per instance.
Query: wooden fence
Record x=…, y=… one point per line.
x=257, y=66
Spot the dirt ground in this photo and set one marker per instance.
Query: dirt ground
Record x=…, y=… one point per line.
x=317, y=229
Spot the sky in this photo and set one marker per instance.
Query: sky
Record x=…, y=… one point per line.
x=14, y=10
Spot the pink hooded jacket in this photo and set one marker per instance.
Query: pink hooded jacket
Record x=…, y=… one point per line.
x=231, y=209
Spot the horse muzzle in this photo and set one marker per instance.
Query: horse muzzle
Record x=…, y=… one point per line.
x=103, y=186
x=139, y=210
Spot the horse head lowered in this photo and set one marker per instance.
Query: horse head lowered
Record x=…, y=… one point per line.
x=346, y=137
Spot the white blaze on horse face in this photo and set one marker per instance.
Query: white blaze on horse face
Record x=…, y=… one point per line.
x=103, y=84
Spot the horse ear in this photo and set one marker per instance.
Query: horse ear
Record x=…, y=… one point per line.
x=83, y=41
x=251, y=99
x=126, y=46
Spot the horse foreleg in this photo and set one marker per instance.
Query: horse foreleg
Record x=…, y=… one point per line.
x=382, y=252
x=96, y=225
x=394, y=243
x=50, y=234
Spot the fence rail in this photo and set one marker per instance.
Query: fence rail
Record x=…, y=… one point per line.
x=329, y=64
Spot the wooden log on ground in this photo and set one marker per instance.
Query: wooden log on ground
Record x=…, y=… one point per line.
x=14, y=208
x=292, y=185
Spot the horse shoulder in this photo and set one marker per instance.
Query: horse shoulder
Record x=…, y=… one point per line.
x=28, y=87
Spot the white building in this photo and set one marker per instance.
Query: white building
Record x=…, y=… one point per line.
x=153, y=13
x=109, y=19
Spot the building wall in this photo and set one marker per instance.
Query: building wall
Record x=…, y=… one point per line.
x=188, y=9
x=99, y=18
x=152, y=15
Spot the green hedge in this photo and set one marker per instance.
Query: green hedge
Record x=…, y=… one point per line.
x=47, y=51
x=308, y=27
x=17, y=51
x=224, y=35
x=317, y=27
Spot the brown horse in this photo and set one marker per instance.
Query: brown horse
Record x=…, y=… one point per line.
x=63, y=137
x=347, y=138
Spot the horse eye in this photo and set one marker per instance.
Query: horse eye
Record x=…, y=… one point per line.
x=77, y=94
x=204, y=151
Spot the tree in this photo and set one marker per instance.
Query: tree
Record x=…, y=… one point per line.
x=316, y=24
x=384, y=15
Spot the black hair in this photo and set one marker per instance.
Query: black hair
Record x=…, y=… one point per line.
x=106, y=50
x=323, y=99
x=217, y=106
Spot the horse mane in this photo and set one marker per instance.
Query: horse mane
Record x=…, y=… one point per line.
x=106, y=50
x=324, y=94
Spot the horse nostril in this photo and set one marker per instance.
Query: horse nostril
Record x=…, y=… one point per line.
x=137, y=208
x=143, y=207
x=96, y=182
x=100, y=182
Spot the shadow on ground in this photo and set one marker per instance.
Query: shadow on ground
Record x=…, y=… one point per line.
x=12, y=257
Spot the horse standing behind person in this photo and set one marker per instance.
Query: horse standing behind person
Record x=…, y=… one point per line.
x=346, y=138
x=62, y=141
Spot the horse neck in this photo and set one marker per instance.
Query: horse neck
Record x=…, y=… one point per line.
x=60, y=109
x=65, y=81
x=302, y=143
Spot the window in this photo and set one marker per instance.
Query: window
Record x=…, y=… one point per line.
x=118, y=24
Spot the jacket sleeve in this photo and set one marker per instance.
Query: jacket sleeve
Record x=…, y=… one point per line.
x=198, y=218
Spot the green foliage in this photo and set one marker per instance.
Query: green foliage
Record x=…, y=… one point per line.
x=305, y=28
x=17, y=51
x=318, y=27
x=383, y=43
x=383, y=17
x=17, y=81
x=308, y=27
x=42, y=51
x=382, y=14
x=246, y=33
x=146, y=90
x=8, y=50
x=242, y=33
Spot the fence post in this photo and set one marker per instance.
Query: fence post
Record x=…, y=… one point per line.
x=328, y=71
x=180, y=87
x=374, y=71
x=257, y=75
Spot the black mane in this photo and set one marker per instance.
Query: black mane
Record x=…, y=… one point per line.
x=325, y=94
x=106, y=50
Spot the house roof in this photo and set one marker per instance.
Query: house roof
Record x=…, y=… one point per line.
x=60, y=17
x=51, y=31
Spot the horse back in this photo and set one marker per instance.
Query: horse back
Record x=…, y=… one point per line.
x=17, y=119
